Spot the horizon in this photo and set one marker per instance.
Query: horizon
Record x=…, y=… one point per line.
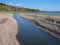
x=44, y=5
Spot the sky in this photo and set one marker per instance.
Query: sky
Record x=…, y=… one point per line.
x=44, y=5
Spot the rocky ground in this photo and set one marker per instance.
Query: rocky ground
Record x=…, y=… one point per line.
x=48, y=23
x=8, y=30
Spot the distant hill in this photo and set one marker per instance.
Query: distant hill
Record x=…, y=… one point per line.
x=51, y=11
x=4, y=7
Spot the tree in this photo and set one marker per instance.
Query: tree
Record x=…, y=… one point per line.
x=2, y=4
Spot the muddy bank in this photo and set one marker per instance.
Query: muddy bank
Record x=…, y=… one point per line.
x=8, y=30
x=47, y=24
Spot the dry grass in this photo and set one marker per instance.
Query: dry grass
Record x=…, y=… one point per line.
x=48, y=22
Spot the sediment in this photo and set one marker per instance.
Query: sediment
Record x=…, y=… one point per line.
x=8, y=30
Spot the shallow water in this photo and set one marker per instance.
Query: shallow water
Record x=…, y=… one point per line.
x=45, y=13
x=29, y=34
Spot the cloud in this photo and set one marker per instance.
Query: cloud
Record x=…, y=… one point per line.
x=15, y=4
x=18, y=4
x=10, y=3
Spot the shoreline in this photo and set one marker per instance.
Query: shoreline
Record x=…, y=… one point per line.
x=40, y=26
x=8, y=29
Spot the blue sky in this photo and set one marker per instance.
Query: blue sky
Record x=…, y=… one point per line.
x=46, y=5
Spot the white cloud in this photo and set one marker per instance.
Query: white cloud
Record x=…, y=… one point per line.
x=15, y=4
x=18, y=5
x=10, y=3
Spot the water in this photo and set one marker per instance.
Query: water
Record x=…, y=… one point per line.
x=29, y=34
x=45, y=12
